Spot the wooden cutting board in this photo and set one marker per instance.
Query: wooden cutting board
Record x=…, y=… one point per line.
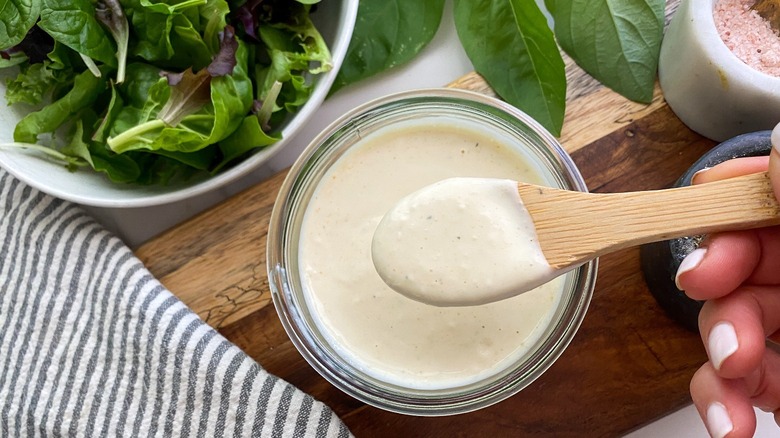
x=628, y=365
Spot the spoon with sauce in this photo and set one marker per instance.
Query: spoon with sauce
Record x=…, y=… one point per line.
x=471, y=241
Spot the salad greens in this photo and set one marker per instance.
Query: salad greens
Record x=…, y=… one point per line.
x=151, y=90
x=510, y=44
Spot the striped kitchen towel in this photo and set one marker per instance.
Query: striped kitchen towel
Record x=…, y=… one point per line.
x=92, y=345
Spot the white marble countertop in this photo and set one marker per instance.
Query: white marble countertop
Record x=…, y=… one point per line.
x=441, y=62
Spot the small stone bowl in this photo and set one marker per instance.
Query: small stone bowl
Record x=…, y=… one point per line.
x=708, y=87
x=660, y=260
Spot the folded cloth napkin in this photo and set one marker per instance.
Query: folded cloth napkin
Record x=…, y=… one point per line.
x=91, y=344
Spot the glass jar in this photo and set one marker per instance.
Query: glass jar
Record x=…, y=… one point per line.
x=299, y=315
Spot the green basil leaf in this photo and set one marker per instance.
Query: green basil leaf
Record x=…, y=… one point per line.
x=388, y=33
x=73, y=23
x=615, y=41
x=17, y=17
x=513, y=48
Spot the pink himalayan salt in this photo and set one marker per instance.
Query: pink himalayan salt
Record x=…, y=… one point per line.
x=748, y=35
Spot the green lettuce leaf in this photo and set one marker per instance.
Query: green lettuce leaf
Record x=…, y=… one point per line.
x=36, y=82
x=230, y=101
x=85, y=91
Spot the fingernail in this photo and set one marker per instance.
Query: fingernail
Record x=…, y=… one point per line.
x=722, y=343
x=691, y=261
x=698, y=173
x=775, y=138
x=718, y=421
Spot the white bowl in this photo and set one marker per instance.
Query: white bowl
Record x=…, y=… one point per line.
x=711, y=90
x=335, y=19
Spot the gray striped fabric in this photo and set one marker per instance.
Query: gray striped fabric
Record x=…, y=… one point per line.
x=92, y=345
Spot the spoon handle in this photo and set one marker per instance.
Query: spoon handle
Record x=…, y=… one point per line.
x=574, y=227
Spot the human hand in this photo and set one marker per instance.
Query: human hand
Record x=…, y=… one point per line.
x=738, y=274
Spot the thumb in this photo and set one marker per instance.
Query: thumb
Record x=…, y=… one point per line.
x=774, y=161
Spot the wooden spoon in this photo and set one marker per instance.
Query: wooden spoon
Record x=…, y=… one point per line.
x=470, y=241
x=574, y=227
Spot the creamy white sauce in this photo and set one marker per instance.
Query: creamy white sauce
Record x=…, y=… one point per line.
x=382, y=333
x=460, y=241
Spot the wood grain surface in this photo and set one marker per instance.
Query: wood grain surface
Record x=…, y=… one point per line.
x=628, y=365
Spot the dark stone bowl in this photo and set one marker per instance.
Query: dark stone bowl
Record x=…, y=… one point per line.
x=660, y=260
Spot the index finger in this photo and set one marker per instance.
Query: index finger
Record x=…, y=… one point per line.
x=724, y=260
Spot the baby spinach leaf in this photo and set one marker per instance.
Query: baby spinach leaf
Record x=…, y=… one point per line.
x=512, y=47
x=85, y=91
x=189, y=49
x=615, y=41
x=17, y=17
x=151, y=35
x=119, y=168
x=388, y=33
x=73, y=23
x=140, y=78
x=200, y=159
x=160, y=169
x=166, y=34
